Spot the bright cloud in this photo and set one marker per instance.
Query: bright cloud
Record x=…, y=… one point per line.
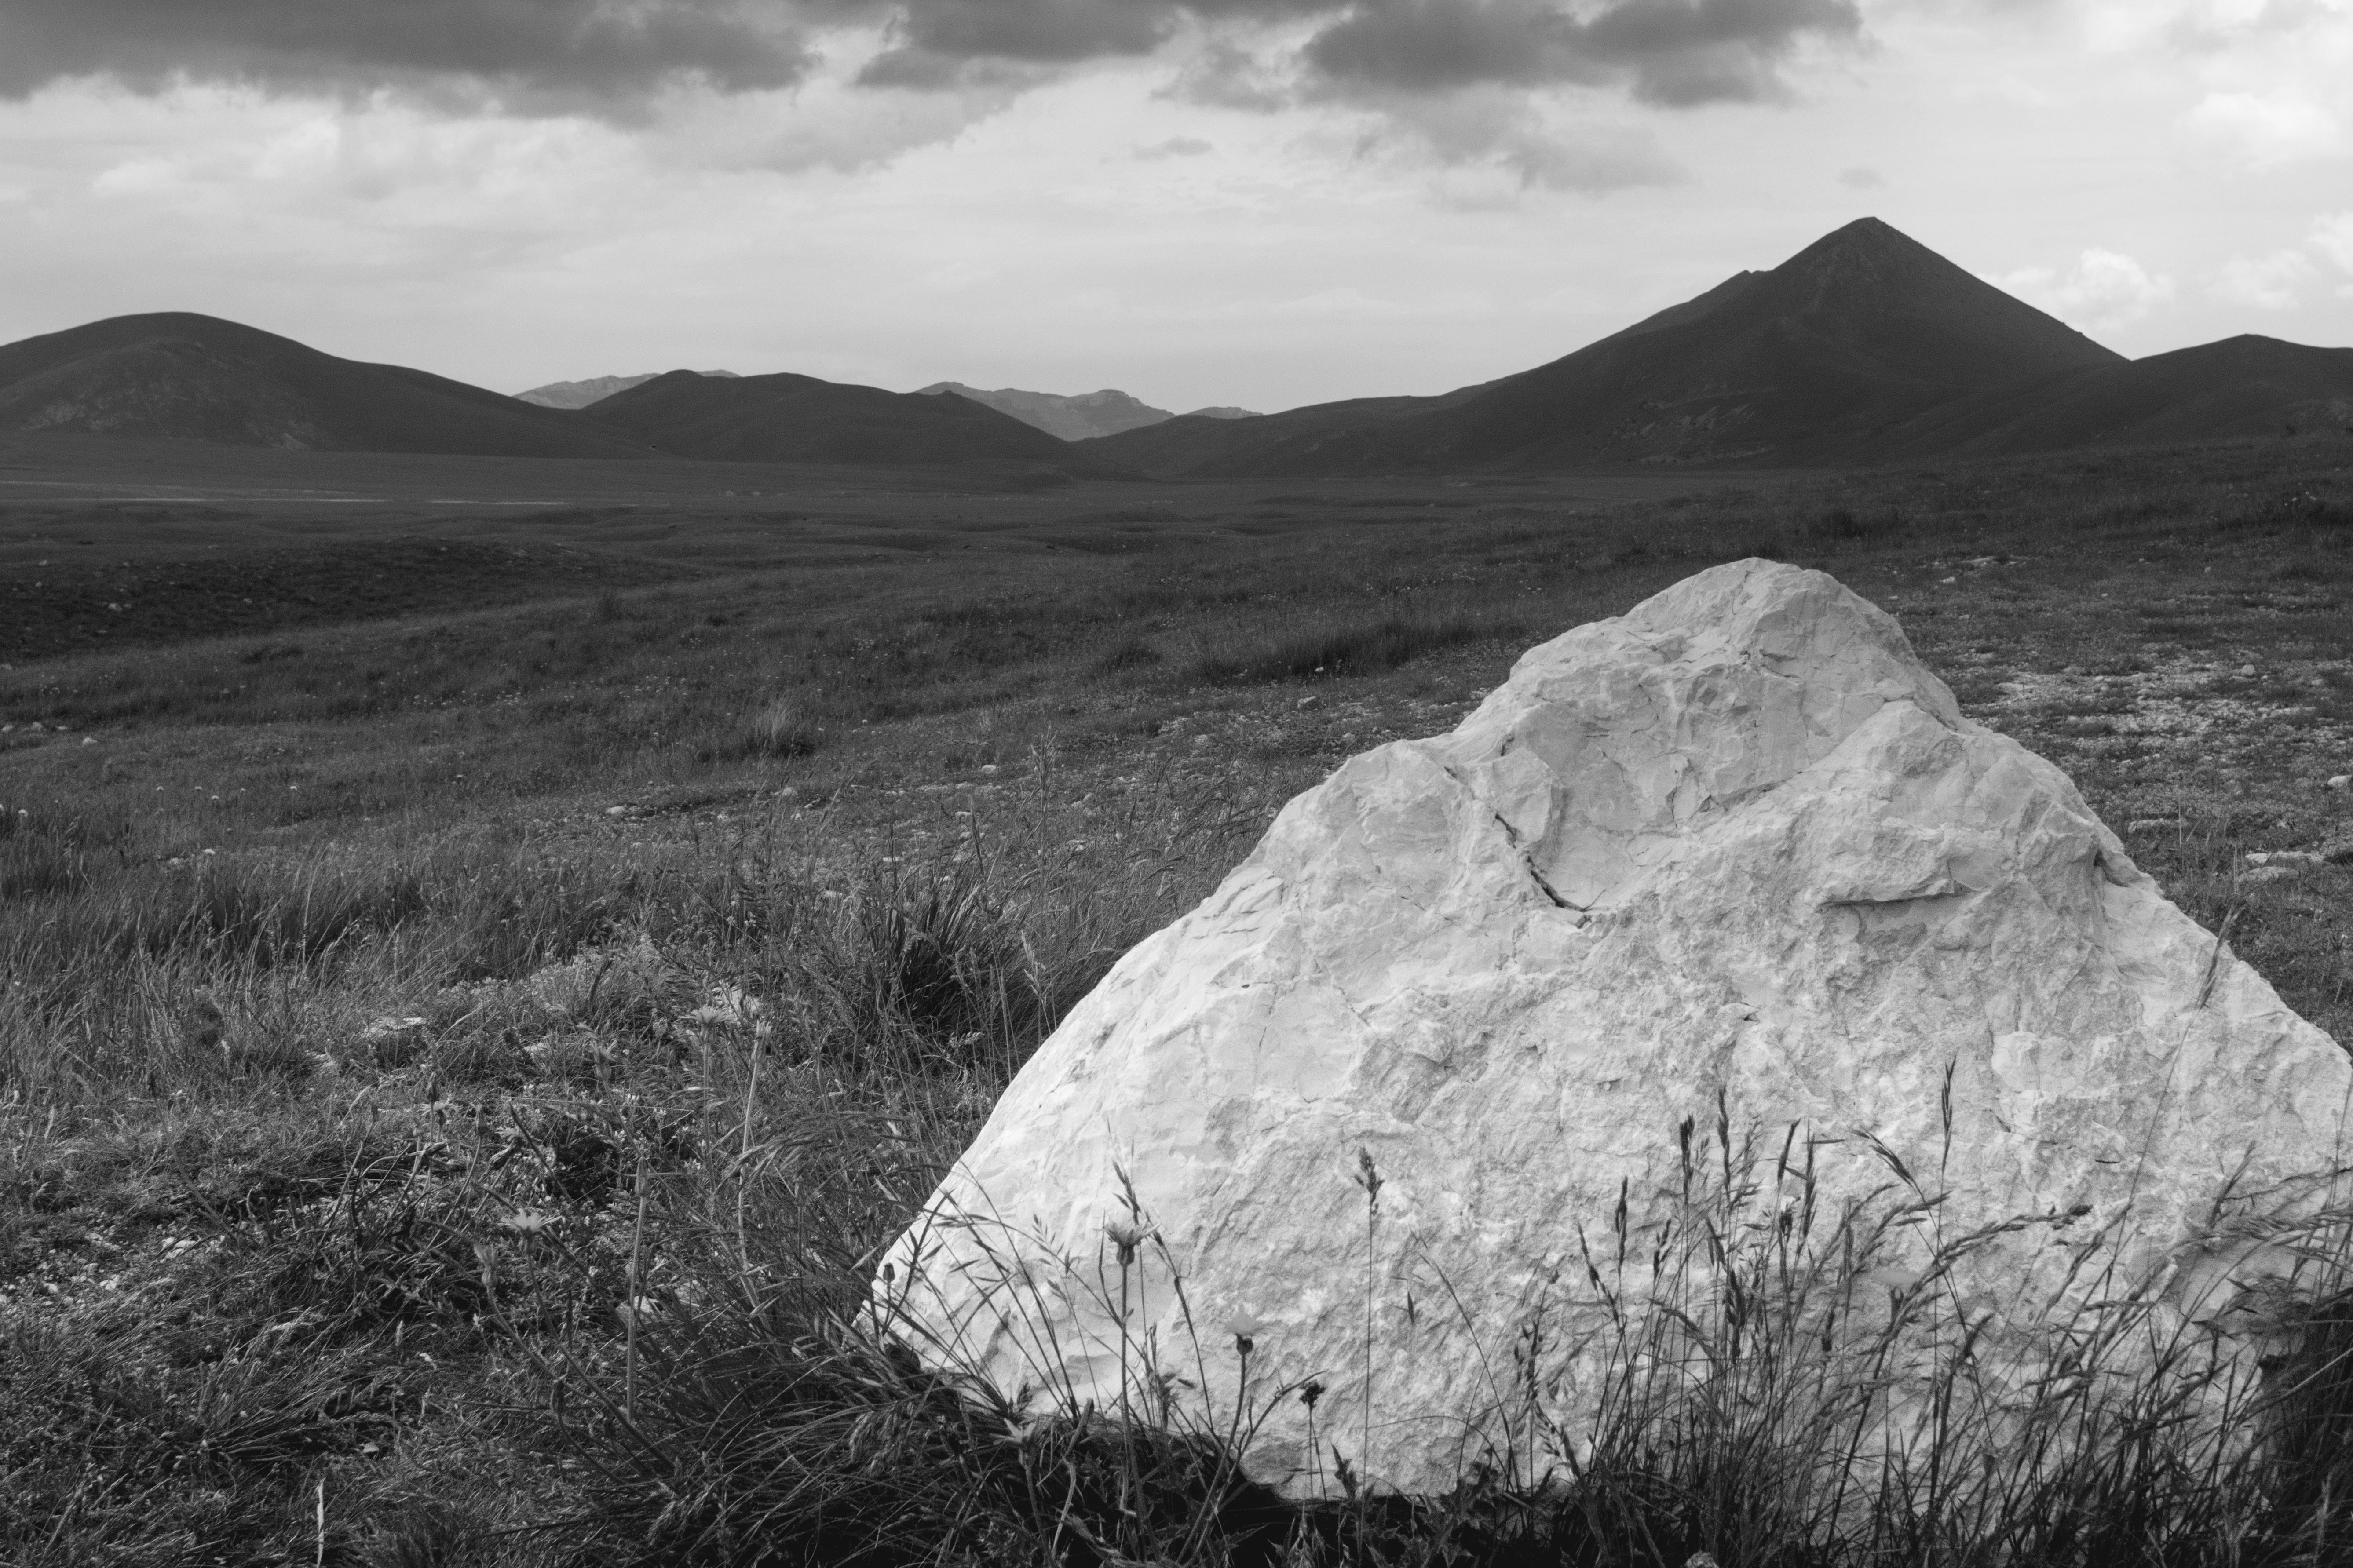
x=2264, y=282
x=2332, y=237
x=2269, y=130
x=2105, y=289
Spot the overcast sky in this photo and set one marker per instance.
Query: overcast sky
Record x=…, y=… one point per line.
x=1254, y=202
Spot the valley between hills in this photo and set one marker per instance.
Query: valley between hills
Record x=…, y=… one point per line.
x=505, y=911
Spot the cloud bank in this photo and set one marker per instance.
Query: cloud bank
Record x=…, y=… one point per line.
x=534, y=56
x=609, y=56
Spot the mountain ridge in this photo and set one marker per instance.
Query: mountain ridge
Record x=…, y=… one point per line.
x=1865, y=346
x=2248, y=385
x=1079, y=416
x=578, y=394
x=785, y=417
x=1858, y=331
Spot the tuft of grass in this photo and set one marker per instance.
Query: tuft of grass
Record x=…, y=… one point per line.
x=1129, y=653
x=779, y=729
x=1349, y=646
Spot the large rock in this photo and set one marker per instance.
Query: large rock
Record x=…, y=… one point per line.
x=1734, y=855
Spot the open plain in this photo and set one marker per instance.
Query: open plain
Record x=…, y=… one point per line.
x=494, y=947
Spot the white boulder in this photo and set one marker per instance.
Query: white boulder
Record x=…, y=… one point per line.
x=1736, y=849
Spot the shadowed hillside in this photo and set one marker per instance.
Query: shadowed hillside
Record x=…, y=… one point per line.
x=2246, y=385
x=1801, y=364
x=190, y=377
x=787, y=418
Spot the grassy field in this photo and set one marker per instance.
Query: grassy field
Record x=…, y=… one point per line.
x=487, y=954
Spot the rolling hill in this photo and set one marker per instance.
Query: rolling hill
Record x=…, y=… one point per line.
x=787, y=418
x=595, y=389
x=2240, y=386
x=190, y=377
x=1810, y=363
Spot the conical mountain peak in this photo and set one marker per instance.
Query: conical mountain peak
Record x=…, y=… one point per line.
x=1869, y=264
x=1807, y=363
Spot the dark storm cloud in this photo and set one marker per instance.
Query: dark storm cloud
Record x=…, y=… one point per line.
x=936, y=42
x=1673, y=52
x=609, y=56
x=932, y=40
x=1676, y=52
x=549, y=53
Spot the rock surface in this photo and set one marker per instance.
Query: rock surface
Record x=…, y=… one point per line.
x=1734, y=853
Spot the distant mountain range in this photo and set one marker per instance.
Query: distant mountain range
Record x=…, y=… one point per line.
x=1075, y=418
x=191, y=377
x=1866, y=347
x=786, y=418
x=581, y=393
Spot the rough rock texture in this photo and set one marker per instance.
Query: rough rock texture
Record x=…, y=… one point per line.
x=1736, y=843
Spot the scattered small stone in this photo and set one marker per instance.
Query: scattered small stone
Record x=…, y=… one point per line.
x=393, y=1041
x=2295, y=858
x=1947, y=582
x=2247, y=671
x=1310, y=701
x=616, y=811
x=89, y=739
x=2340, y=781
